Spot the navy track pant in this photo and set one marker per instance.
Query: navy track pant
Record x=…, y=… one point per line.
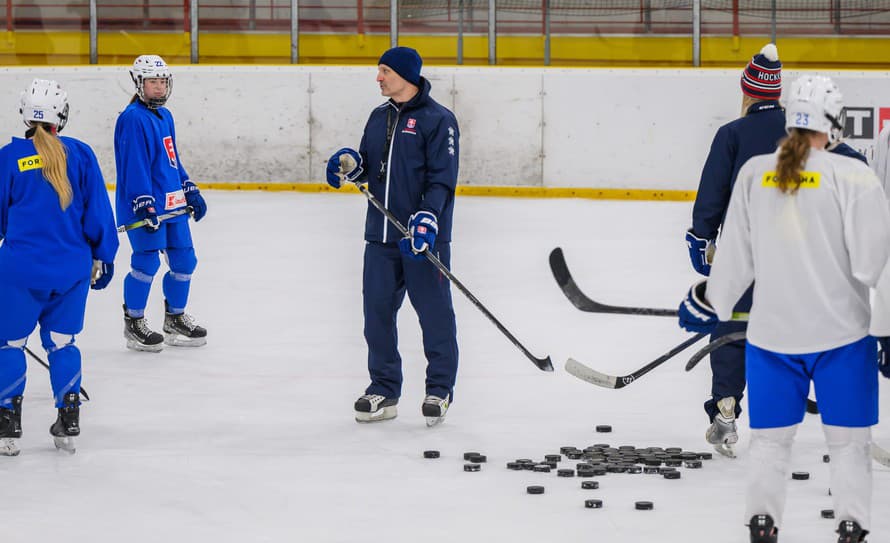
x=728, y=362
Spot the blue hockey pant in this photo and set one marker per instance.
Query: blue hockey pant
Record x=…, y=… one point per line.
x=174, y=239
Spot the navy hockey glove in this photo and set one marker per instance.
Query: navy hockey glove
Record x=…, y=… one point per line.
x=696, y=314
x=195, y=201
x=701, y=252
x=422, y=230
x=102, y=274
x=144, y=209
x=884, y=356
x=344, y=165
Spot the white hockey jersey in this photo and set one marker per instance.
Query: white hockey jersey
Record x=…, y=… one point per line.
x=812, y=255
x=882, y=158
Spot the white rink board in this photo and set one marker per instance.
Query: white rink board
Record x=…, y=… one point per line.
x=600, y=128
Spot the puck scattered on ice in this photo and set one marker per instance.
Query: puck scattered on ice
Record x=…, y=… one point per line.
x=650, y=469
x=635, y=469
x=705, y=455
x=800, y=476
x=525, y=461
x=534, y=489
x=543, y=468
x=828, y=513
x=472, y=467
x=673, y=450
x=693, y=464
x=644, y=506
x=514, y=466
x=590, y=485
x=568, y=472
x=593, y=504
x=478, y=459
x=826, y=458
x=603, y=428
x=467, y=455
x=553, y=458
x=431, y=454
x=671, y=475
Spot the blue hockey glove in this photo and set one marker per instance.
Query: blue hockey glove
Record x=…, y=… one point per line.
x=422, y=230
x=696, y=314
x=884, y=356
x=195, y=201
x=701, y=252
x=144, y=209
x=102, y=274
x=344, y=165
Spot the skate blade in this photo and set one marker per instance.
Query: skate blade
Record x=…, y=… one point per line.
x=9, y=447
x=136, y=346
x=725, y=449
x=65, y=443
x=380, y=415
x=434, y=421
x=178, y=340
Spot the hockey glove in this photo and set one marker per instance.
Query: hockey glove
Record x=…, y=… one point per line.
x=701, y=252
x=144, y=209
x=884, y=356
x=194, y=199
x=101, y=275
x=344, y=165
x=696, y=314
x=422, y=230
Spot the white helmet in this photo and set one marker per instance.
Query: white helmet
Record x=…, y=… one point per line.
x=815, y=103
x=44, y=102
x=151, y=67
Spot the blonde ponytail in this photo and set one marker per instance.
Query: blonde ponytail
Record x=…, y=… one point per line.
x=55, y=163
x=793, y=153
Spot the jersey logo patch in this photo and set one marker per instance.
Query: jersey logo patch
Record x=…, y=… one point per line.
x=808, y=180
x=171, y=151
x=410, y=126
x=32, y=162
x=174, y=200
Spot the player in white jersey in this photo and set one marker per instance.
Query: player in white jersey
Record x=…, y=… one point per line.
x=882, y=158
x=812, y=230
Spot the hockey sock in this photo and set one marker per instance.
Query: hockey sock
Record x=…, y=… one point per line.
x=64, y=372
x=136, y=288
x=770, y=452
x=851, y=479
x=12, y=374
x=176, y=291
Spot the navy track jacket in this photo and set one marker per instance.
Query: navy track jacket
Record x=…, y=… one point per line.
x=419, y=171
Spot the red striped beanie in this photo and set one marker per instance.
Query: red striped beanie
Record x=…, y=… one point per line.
x=762, y=77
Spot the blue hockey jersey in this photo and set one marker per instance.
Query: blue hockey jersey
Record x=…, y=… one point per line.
x=147, y=161
x=757, y=133
x=45, y=247
x=421, y=163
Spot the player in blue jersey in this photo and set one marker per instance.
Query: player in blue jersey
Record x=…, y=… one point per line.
x=409, y=158
x=152, y=181
x=58, y=240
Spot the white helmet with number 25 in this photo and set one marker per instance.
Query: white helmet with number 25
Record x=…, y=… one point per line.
x=44, y=101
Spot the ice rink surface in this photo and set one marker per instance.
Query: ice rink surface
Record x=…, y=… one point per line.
x=252, y=439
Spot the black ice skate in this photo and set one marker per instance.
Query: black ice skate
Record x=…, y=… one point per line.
x=139, y=336
x=375, y=408
x=763, y=529
x=722, y=433
x=434, y=409
x=849, y=531
x=11, y=428
x=180, y=330
x=67, y=425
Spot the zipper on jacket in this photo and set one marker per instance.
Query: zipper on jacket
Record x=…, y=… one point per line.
x=388, y=169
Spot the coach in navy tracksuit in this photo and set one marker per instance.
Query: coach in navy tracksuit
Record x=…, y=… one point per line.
x=409, y=158
x=757, y=132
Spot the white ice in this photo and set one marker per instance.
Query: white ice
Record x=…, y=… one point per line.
x=251, y=438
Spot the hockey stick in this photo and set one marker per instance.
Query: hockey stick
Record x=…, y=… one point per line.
x=161, y=218
x=590, y=375
x=543, y=364
x=83, y=391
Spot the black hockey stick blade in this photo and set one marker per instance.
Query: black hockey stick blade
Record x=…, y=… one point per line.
x=40, y=361
x=812, y=407
x=586, y=373
x=580, y=300
x=713, y=346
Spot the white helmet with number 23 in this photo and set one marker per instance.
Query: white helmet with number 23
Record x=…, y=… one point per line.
x=44, y=101
x=815, y=103
x=151, y=67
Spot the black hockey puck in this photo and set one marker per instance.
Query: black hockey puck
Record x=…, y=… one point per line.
x=673, y=450
x=553, y=458
x=635, y=469
x=543, y=468
x=590, y=485
x=603, y=428
x=549, y=463
x=567, y=472
x=673, y=463
x=671, y=475
x=516, y=466
x=593, y=504
x=650, y=469
x=534, y=489
x=467, y=455
x=644, y=506
x=567, y=449
x=524, y=461
x=828, y=513
x=826, y=458
x=800, y=476
x=574, y=455
x=478, y=459
x=693, y=464
x=705, y=455
x=472, y=467
x=431, y=454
